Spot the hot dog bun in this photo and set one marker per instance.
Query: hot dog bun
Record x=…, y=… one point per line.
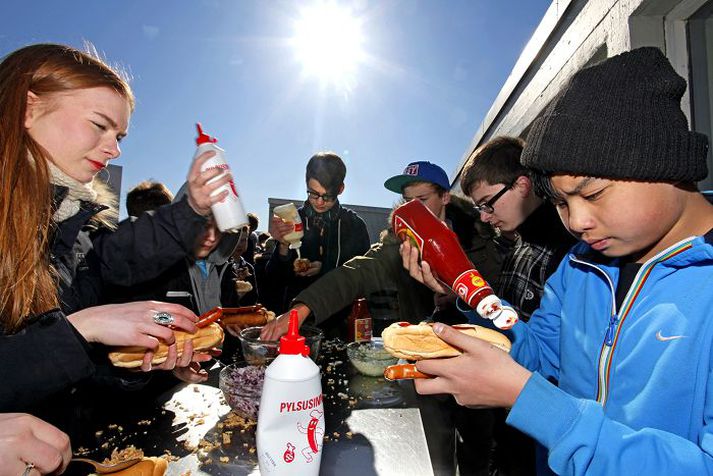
x=132, y=356
x=418, y=341
x=145, y=467
x=243, y=286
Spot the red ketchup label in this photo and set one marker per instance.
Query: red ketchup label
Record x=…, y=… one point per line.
x=404, y=232
x=362, y=330
x=471, y=287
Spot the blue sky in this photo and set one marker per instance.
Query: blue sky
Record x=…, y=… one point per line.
x=431, y=71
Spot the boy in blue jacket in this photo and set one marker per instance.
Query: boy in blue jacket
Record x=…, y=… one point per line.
x=626, y=322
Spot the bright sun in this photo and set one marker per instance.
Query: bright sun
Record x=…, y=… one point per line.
x=328, y=42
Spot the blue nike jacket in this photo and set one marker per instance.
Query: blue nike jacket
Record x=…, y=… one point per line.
x=635, y=391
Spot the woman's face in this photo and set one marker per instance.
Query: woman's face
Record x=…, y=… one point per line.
x=80, y=130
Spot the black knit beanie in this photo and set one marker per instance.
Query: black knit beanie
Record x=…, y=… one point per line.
x=619, y=119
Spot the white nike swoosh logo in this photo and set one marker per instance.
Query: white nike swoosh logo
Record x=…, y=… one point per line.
x=667, y=338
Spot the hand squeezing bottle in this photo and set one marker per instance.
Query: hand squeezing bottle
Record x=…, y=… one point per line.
x=439, y=247
x=229, y=213
x=290, y=424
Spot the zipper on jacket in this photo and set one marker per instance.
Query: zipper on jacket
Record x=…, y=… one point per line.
x=615, y=320
x=606, y=349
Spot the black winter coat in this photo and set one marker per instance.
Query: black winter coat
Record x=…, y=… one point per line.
x=87, y=257
x=49, y=355
x=45, y=357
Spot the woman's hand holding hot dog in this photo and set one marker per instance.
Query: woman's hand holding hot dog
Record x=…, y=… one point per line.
x=133, y=324
x=482, y=375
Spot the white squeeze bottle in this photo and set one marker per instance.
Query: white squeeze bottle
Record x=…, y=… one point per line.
x=290, y=423
x=229, y=213
x=288, y=212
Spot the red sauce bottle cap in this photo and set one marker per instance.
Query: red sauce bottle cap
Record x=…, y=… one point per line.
x=203, y=137
x=293, y=343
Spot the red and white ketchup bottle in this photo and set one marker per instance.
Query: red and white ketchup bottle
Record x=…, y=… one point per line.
x=440, y=248
x=290, y=423
x=229, y=213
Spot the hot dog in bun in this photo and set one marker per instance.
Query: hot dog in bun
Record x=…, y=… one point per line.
x=132, y=356
x=418, y=341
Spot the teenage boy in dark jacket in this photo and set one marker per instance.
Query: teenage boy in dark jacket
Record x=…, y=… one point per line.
x=332, y=234
x=504, y=195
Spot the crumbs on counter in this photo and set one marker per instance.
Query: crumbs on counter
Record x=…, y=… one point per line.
x=118, y=455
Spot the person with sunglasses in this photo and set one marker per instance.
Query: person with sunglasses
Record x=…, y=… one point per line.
x=333, y=235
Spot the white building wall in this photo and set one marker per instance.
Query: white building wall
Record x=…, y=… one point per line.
x=572, y=34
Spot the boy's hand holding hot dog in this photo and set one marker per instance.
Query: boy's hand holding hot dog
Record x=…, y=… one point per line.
x=483, y=375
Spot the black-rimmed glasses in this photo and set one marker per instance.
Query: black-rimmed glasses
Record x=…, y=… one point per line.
x=325, y=196
x=487, y=207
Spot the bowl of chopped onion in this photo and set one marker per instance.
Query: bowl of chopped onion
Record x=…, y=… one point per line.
x=241, y=384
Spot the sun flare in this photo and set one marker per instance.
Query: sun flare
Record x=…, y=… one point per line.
x=328, y=42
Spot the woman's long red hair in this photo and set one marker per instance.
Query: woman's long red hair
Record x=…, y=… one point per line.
x=27, y=283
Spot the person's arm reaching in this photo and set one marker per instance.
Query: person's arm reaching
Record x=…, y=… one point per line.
x=356, y=278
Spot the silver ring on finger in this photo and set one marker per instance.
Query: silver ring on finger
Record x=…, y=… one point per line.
x=28, y=469
x=163, y=318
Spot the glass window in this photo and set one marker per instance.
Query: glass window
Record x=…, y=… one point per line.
x=700, y=42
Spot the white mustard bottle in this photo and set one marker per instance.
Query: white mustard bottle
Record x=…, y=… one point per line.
x=289, y=214
x=229, y=213
x=290, y=423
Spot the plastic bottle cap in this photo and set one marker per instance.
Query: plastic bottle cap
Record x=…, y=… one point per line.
x=293, y=343
x=203, y=137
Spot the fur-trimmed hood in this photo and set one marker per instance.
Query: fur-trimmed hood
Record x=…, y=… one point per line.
x=105, y=207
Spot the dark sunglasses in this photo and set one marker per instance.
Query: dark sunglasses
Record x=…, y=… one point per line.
x=325, y=196
x=487, y=207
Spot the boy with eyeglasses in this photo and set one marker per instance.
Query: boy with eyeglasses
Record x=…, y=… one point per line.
x=530, y=229
x=626, y=322
x=535, y=240
x=332, y=234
